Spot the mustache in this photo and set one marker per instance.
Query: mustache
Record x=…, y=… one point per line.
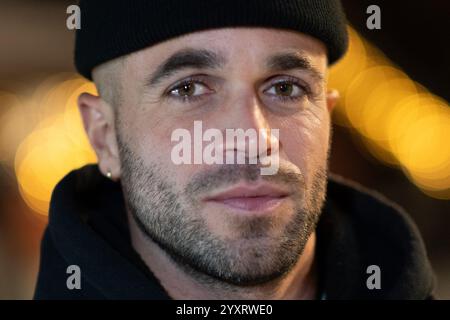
x=229, y=174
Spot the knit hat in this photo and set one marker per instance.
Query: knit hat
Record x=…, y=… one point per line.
x=113, y=28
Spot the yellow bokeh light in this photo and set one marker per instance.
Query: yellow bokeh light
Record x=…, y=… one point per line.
x=423, y=148
x=380, y=103
x=358, y=91
x=57, y=146
x=400, y=122
x=344, y=71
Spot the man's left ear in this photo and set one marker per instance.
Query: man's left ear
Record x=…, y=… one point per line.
x=332, y=99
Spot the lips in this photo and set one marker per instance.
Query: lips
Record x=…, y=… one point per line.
x=261, y=197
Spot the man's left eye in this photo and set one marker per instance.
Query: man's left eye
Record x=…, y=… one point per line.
x=286, y=90
x=189, y=89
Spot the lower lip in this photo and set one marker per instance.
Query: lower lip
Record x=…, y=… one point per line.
x=251, y=204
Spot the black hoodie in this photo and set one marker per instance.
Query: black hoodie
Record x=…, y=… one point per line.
x=88, y=228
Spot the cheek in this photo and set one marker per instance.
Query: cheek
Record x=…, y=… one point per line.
x=152, y=141
x=305, y=141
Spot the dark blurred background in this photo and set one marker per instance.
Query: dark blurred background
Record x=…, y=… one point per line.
x=391, y=128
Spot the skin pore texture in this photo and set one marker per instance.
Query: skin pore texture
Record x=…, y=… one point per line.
x=249, y=78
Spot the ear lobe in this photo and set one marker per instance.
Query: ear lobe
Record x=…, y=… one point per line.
x=332, y=99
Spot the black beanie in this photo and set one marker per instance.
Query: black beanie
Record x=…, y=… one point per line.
x=113, y=28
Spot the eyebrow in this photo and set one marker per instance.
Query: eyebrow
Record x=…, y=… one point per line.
x=183, y=59
x=293, y=60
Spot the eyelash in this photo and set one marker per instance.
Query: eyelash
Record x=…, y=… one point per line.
x=197, y=80
x=291, y=81
x=180, y=84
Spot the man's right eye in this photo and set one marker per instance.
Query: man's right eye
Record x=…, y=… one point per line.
x=188, y=89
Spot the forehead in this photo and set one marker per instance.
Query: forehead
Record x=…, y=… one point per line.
x=237, y=44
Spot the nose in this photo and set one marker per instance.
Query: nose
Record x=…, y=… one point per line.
x=248, y=133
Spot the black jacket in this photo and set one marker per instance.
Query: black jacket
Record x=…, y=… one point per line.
x=88, y=228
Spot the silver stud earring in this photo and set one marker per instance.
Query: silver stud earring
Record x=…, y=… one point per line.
x=109, y=174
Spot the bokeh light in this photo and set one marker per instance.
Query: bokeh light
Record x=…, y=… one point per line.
x=56, y=146
x=400, y=122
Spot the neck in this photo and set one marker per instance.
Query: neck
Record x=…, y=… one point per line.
x=299, y=283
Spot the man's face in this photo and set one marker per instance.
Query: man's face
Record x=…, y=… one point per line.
x=226, y=220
